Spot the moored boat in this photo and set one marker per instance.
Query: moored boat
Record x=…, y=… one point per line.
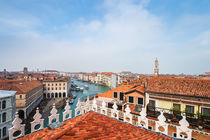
x=81, y=89
x=86, y=86
x=71, y=101
x=74, y=96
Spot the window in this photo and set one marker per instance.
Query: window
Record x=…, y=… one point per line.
x=119, y=107
x=59, y=88
x=56, y=84
x=3, y=104
x=55, y=88
x=205, y=110
x=48, y=84
x=150, y=127
x=4, y=131
x=174, y=134
x=60, y=84
x=177, y=106
x=130, y=99
x=52, y=88
x=115, y=94
x=140, y=101
x=190, y=108
x=121, y=96
x=110, y=105
x=48, y=88
x=64, y=84
x=63, y=88
x=21, y=96
x=4, y=116
x=152, y=103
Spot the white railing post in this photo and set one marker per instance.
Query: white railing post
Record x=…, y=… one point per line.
x=17, y=126
x=37, y=121
x=128, y=115
x=94, y=106
x=78, y=108
x=87, y=105
x=53, y=115
x=114, y=111
x=184, y=128
x=104, y=108
x=161, y=123
x=142, y=119
x=67, y=114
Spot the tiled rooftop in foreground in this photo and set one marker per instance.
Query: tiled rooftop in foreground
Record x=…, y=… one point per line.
x=94, y=126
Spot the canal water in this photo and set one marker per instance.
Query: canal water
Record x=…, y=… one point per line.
x=91, y=91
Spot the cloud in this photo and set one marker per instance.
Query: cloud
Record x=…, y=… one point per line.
x=127, y=37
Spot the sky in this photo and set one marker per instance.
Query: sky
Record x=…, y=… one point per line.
x=105, y=35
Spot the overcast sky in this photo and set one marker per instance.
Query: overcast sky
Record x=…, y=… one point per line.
x=105, y=35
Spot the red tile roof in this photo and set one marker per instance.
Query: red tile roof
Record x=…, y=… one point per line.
x=180, y=86
x=20, y=86
x=174, y=85
x=94, y=126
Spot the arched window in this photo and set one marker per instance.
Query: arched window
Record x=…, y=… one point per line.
x=3, y=104
x=48, y=95
x=4, y=117
x=4, y=131
x=64, y=94
x=56, y=95
x=60, y=94
x=52, y=95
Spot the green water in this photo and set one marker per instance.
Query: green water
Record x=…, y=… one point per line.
x=92, y=91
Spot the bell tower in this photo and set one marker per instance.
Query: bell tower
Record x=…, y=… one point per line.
x=156, y=69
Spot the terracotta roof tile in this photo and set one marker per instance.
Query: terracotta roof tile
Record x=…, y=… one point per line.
x=21, y=86
x=94, y=126
x=180, y=86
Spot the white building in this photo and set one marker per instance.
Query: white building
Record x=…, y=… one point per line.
x=7, y=111
x=59, y=88
x=50, y=72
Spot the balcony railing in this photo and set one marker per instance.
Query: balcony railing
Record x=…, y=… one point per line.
x=141, y=120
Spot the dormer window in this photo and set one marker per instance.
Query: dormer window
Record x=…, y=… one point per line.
x=140, y=101
x=121, y=96
x=115, y=94
x=130, y=99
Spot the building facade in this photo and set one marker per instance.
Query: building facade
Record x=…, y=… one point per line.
x=58, y=88
x=29, y=95
x=7, y=111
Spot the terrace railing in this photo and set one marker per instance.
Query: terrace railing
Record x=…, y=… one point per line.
x=141, y=120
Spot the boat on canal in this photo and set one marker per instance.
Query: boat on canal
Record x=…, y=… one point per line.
x=74, y=96
x=81, y=89
x=77, y=88
x=86, y=86
x=71, y=101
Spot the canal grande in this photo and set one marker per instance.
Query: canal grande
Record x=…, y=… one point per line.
x=91, y=91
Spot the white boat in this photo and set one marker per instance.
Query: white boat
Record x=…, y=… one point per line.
x=77, y=88
x=74, y=96
x=71, y=101
x=86, y=86
x=81, y=89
